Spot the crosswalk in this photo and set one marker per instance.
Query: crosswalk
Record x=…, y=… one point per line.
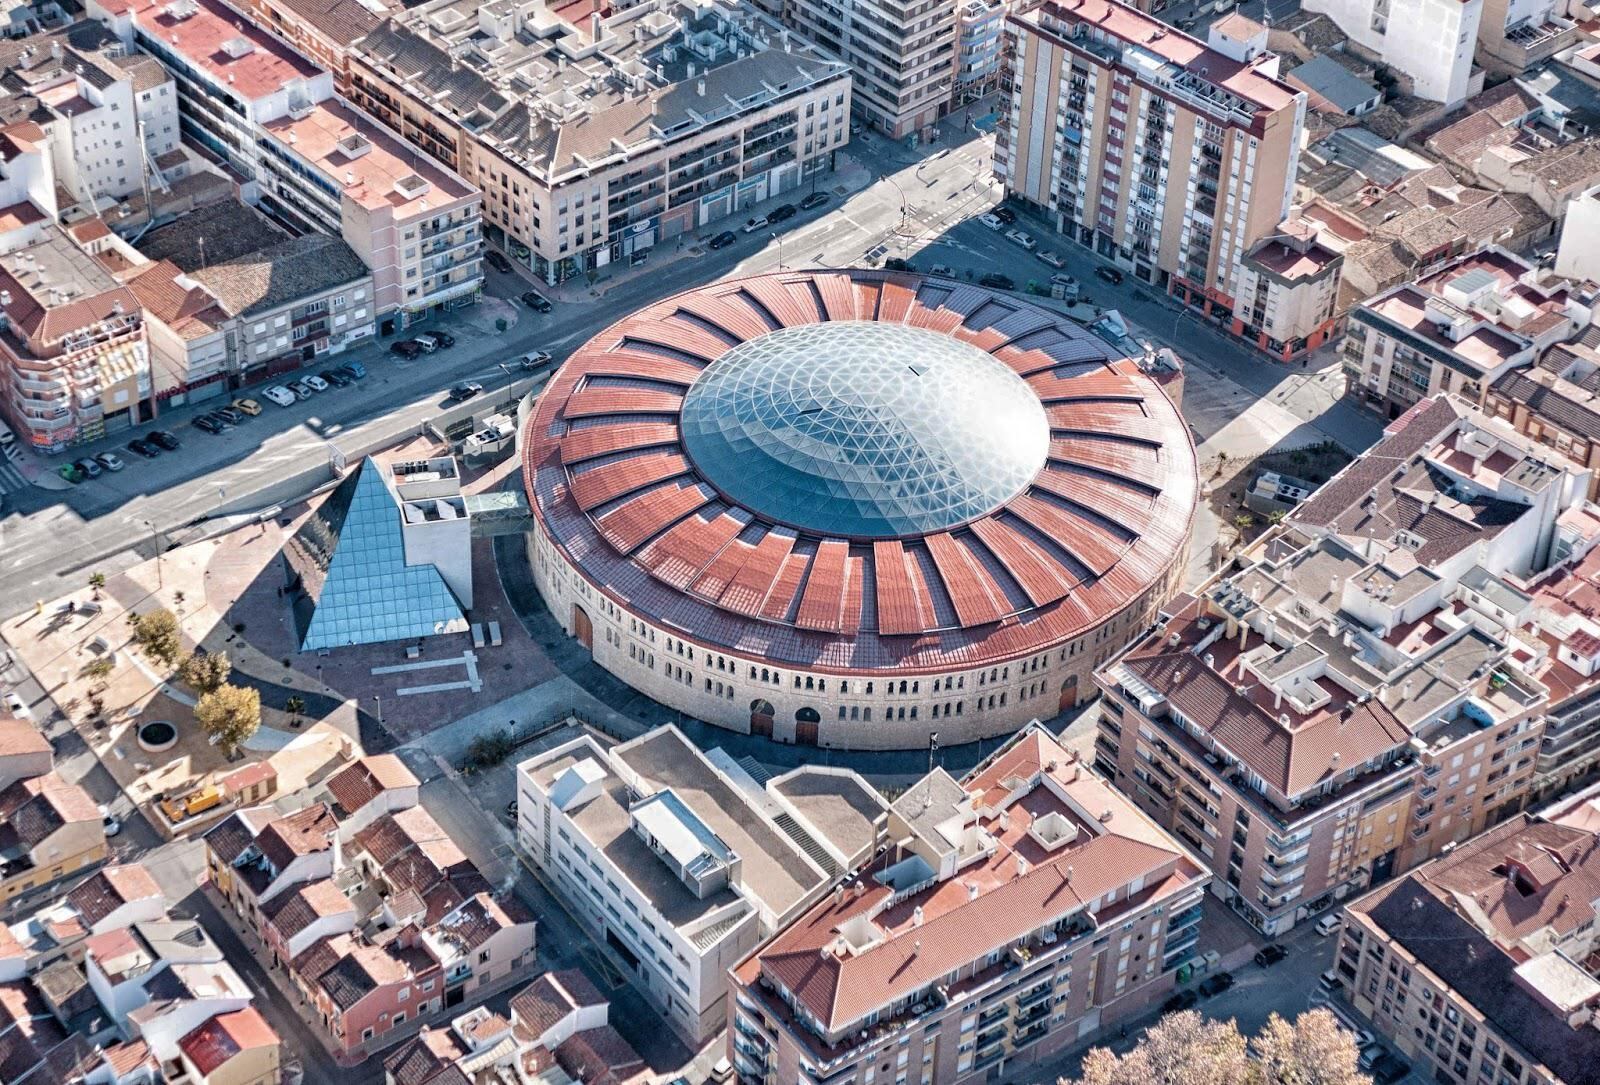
x=11, y=479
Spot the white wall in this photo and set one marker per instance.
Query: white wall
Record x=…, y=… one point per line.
x=1579, y=254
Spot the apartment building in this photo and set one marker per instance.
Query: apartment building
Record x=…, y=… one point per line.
x=1289, y=292
x=905, y=57
x=1458, y=329
x=315, y=163
x=111, y=898
x=1479, y=966
x=1432, y=42
x=322, y=31
x=1169, y=157
x=1515, y=35
x=997, y=918
x=594, y=141
x=980, y=28
x=676, y=859
x=105, y=116
x=1360, y=696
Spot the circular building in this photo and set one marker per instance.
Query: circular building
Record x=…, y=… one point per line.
x=854, y=508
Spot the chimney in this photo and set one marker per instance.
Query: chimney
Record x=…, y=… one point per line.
x=55, y=50
x=1069, y=874
x=5, y=297
x=594, y=27
x=972, y=890
x=1022, y=866
x=916, y=916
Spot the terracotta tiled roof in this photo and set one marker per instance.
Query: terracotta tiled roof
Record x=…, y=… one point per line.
x=219, y=1039
x=21, y=737
x=600, y=1056
x=109, y=889
x=291, y=912
x=363, y=780
x=303, y=832
x=425, y=1059
x=229, y=838
x=35, y=808
x=544, y=1002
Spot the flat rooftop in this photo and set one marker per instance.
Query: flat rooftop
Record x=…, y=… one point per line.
x=841, y=806
x=218, y=42
x=774, y=868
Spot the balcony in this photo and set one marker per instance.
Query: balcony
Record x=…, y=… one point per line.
x=993, y=1014
x=1030, y=1034
x=990, y=1038
x=1033, y=997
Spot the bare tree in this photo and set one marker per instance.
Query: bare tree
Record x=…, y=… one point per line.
x=1182, y=1049
x=1315, y=1050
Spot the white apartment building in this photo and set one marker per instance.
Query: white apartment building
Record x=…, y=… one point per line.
x=903, y=56
x=1431, y=41
x=676, y=859
x=308, y=157
x=106, y=116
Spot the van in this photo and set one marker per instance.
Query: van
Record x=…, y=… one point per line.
x=1327, y=925
x=1329, y=981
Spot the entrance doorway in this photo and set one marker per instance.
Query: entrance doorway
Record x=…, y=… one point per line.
x=582, y=627
x=1069, y=695
x=761, y=714
x=805, y=726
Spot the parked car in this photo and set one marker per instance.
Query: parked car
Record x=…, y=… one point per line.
x=1329, y=981
x=247, y=406
x=724, y=239
x=1109, y=274
x=996, y=281
x=536, y=301
x=208, y=424
x=336, y=378
x=1182, y=1000
x=464, y=391
x=752, y=225
x=992, y=221
x=356, y=370
x=1215, y=985
x=406, y=348
x=895, y=263
x=110, y=822
x=1005, y=214
x=140, y=447
x=1267, y=956
x=943, y=269
x=110, y=461
x=815, y=199
x=496, y=261
x=1327, y=925
x=89, y=466
x=228, y=416
x=1050, y=258
x=15, y=704
x=1390, y=1069
x=279, y=395
x=534, y=360
x=1017, y=237
x=301, y=389
x=781, y=213
x=70, y=472
x=1063, y=280
x=315, y=383
x=164, y=440
x=1369, y=1057
x=444, y=339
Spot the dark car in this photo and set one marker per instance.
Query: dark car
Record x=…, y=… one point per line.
x=536, y=301
x=816, y=199
x=140, y=447
x=444, y=339
x=496, y=261
x=996, y=281
x=1389, y=1069
x=406, y=348
x=1109, y=274
x=1005, y=214
x=90, y=467
x=1217, y=984
x=228, y=415
x=209, y=424
x=162, y=439
x=1180, y=1001
x=463, y=391
x=724, y=239
x=337, y=377
x=1267, y=956
x=894, y=263
x=781, y=212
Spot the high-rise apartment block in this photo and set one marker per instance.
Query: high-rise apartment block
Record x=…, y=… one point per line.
x=903, y=56
x=1170, y=157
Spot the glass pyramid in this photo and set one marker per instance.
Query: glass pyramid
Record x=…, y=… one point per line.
x=864, y=429
x=349, y=579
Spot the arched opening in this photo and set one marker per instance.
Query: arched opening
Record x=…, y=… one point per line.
x=582, y=627
x=805, y=726
x=761, y=714
x=1069, y=694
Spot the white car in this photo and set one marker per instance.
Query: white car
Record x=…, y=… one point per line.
x=991, y=221
x=1017, y=237
x=943, y=269
x=17, y=707
x=754, y=224
x=533, y=360
x=1327, y=925
x=110, y=822
x=315, y=383
x=110, y=461
x=1050, y=258
x=279, y=395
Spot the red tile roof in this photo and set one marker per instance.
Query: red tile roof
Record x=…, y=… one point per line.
x=109, y=889
x=219, y=1039
x=1101, y=523
x=364, y=779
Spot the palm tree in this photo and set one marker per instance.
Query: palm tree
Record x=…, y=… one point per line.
x=295, y=706
x=96, y=582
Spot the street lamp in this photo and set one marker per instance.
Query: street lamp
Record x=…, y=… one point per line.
x=155, y=543
x=904, y=212
x=378, y=697
x=779, y=239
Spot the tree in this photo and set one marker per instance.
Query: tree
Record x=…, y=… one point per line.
x=99, y=669
x=230, y=715
x=1181, y=1049
x=295, y=706
x=205, y=672
x=97, y=581
x=1314, y=1050
x=156, y=634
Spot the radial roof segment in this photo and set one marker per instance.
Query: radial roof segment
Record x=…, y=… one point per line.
x=864, y=430
x=860, y=469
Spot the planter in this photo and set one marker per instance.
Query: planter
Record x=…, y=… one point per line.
x=157, y=736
